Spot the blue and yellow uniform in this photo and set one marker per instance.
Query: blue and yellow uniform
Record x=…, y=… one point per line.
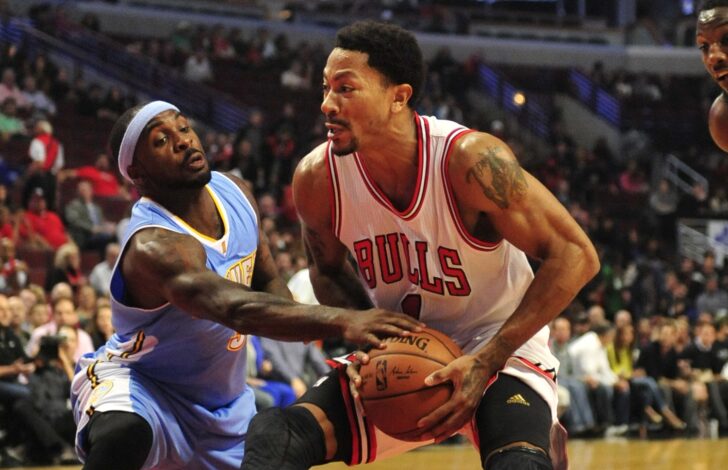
x=185, y=376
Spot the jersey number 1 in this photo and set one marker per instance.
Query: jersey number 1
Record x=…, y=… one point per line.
x=411, y=305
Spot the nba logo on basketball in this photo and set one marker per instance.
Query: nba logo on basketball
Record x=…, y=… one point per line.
x=381, y=375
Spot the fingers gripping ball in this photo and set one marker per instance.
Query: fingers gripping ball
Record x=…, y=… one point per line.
x=393, y=389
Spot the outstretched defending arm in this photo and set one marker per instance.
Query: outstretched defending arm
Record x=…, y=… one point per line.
x=162, y=266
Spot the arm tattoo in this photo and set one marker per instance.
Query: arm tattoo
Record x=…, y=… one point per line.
x=501, y=180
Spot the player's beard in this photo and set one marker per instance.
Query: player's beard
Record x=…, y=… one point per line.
x=347, y=149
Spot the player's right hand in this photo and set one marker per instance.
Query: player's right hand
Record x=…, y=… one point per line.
x=371, y=326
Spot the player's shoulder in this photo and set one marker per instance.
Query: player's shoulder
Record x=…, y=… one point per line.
x=474, y=146
x=311, y=175
x=153, y=246
x=314, y=163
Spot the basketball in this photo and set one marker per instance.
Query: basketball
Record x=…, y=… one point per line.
x=393, y=391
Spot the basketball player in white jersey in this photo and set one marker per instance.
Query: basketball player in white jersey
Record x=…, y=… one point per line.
x=712, y=40
x=439, y=220
x=194, y=276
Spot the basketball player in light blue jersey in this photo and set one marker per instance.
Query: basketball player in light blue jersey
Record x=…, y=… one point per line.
x=194, y=276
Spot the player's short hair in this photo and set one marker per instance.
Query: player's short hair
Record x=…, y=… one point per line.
x=710, y=4
x=120, y=126
x=393, y=52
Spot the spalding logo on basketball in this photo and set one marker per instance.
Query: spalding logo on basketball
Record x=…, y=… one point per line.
x=393, y=390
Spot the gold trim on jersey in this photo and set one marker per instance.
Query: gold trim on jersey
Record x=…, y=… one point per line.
x=242, y=271
x=223, y=216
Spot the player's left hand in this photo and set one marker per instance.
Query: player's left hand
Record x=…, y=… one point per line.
x=469, y=377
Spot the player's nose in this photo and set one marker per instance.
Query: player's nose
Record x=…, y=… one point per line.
x=183, y=142
x=329, y=105
x=716, y=54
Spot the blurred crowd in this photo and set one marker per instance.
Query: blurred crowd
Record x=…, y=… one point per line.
x=643, y=348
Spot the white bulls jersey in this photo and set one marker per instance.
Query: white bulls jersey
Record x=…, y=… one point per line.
x=422, y=261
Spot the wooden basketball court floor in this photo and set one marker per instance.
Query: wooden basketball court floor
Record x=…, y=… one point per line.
x=620, y=454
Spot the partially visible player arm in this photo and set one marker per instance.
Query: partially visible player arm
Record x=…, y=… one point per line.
x=487, y=178
x=162, y=266
x=333, y=277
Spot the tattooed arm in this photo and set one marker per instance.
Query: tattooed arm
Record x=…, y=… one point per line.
x=334, y=280
x=489, y=183
x=488, y=179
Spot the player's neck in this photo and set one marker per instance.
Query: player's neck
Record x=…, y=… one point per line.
x=392, y=160
x=195, y=206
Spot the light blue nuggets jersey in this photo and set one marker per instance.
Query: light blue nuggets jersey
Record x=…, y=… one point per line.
x=185, y=376
x=200, y=360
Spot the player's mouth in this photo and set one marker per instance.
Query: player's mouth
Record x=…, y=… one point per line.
x=720, y=74
x=195, y=160
x=334, y=129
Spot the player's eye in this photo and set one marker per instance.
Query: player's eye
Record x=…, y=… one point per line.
x=160, y=141
x=703, y=47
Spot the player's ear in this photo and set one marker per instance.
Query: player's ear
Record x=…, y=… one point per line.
x=402, y=95
x=134, y=173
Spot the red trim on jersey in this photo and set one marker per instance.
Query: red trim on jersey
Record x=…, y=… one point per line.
x=371, y=440
x=334, y=192
x=452, y=205
x=423, y=151
x=351, y=414
x=534, y=367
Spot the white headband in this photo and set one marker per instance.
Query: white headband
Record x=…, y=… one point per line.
x=134, y=130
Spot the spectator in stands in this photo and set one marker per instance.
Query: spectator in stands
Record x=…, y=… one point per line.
x=41, y=104
x=13, y=272
x=101, y=329
x=45, y=415
x=66, y=268
x=114, y=104
x=19, y=319
x=87, y=224
x=11, y=126
x=100, y=277
x=632, y=180
x=38, y=314
x=60, y=89
x=713, y=299
x=10, y=89
x=8, y=224
x=40, y=227
x=279, y=393
x=64, y=314
x=591, y=364
x=579, y=417
x=46, y=160
x=245, y=164
x=659, y=360
x=704, y=365
x=198, y=68
x=13, y=360
x=645, y=391
x=297, y=77
x=295, y=363
x=86, y=301
x=663, y=202
x=695, y=203
x=103, y=180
